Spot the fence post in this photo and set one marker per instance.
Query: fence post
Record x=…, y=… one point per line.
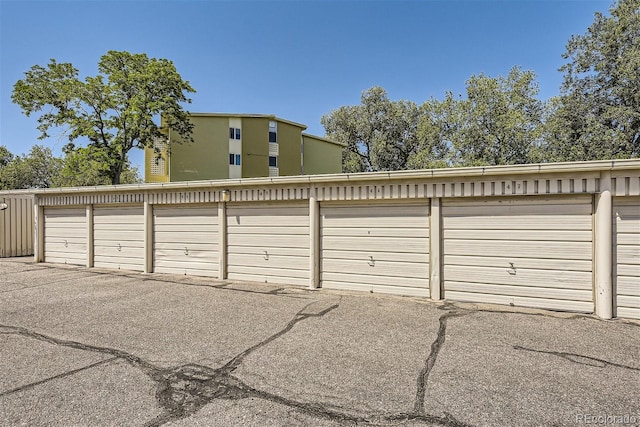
x=603, y=245
x=314, y=240
x=222, y=231
x=435, y=250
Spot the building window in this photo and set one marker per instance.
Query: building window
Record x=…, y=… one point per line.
x=273, y=161
x=234, y=133
x=235, y=159
x=273, y=137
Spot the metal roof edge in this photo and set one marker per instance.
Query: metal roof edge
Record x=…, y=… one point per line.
x=250, y=116
x=422, y=174
x=322, y=138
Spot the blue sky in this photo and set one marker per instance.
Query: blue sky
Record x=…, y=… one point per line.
x=295, y=59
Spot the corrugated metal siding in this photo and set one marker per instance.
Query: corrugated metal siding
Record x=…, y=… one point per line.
x=16, y=226
x=381, y=248
x=626, y=213
x=268, y=243
x=65, y=235
x=185, y=240
x=119, y=237
x=533, y=252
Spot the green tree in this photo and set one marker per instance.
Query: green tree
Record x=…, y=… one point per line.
x=380, y=134
x=37, y=169
x=597, y=115
x=438, y=122
x=87, y=167
x=500, y=121
x=114, y=110
x=5, y=156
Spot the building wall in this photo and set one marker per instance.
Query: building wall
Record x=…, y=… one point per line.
x=16, y=225
x=321, y=157
x=255, y=147
x=205, y=158
x=290, y=141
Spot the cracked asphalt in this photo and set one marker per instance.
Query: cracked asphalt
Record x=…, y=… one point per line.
x=102, y=348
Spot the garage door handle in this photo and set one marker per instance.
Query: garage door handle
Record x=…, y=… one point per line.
x=512, y=270
x=66, y=244
x=266, y=256
x=186, y=251
x=371, y=262
x=119, y=247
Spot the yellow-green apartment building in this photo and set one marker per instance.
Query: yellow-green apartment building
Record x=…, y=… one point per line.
x=242, y=146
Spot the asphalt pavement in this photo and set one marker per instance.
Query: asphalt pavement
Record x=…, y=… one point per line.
x=92, y=347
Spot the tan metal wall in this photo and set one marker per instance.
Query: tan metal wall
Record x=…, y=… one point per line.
x=16, y=225
x=185, y=240
x=65, y=235
x=534, y=251
x=626, y=223
x=375, y=247
x=532, y=235
x=119, y=238
x=269, y=243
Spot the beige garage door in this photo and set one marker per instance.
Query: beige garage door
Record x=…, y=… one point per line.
x=119, y=237
x=65, y=235
x=627, y=256
x=185, y=240
x=534, y=252
x=268, y=243
x=379, y=248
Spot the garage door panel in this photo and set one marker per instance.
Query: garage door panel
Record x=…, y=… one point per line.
x=550, y=250
x=181, y=247
x=528, y=235
x=377, y=244
x=363, y=281
x=281, y=231
x=260, y=230
x=628, y=286
x=524, y=291
x=273, y=261
x=381, y=248
x=530, y=263
x=107, y=262
x=524, y=277
x=193, y=236
x=332, y=254
x=627, y=226
x=269, y=275
x=626, y=217
x=524, y=222
x=186, y=240
x=119, y=252
x=627, y=254
x=548, y=241
x=544, y=303
x=369, y=232
x=379, y=268
x=625, y=271
x=77, y=234
x=119, y=237
x=268, y=214
x=65, y=235
x=71, y=246
x=628, y=312
x=259, y=250
x=269, y=240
